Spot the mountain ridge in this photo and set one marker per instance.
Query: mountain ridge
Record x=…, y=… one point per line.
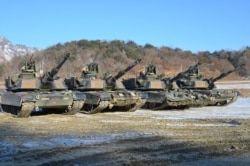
x=9, y=50
x=113, y=55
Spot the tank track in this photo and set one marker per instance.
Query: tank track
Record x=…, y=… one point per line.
x=232, y=100
x=22, y=112
x=200, y=102
x=138, y=105
x=76, y=107
x=26, y=109
x=169, y=104
x=207, y=99
x=162, y=106
x=93, y=109
x=118, y=105
x=224, y=103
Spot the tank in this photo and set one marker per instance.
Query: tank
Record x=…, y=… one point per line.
x=105, y=93
x=204, y=90
x=160, y=94
x=30, y=91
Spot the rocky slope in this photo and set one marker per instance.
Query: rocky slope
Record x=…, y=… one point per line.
x=8, y=50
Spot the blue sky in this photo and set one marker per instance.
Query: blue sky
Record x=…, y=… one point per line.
x=195, y=25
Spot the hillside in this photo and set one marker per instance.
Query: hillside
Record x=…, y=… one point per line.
x=116, y=55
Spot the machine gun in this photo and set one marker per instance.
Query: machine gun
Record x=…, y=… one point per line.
x=149, y=72
x=49, y=76
x=90, y=71
x=110, y=80
x=29, y=66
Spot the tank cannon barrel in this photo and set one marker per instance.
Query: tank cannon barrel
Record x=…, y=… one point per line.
x=30, y=60
x=111, y=79
x=181, y=74
x=55, y=70
x=50, y=75
x=122, y=72
x=222, y=75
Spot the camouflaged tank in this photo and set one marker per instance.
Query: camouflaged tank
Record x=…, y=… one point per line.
x=31, y=92
x=160, y=94
x=89, y=90
x=204, y=90
x=106, y=93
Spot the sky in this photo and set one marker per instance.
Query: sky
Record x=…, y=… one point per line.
x=194, y=25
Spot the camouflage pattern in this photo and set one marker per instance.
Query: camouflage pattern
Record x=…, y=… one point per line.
x=203, y=89
x=31, y=92
x=104, y=94
x=121, y=98
x=160, y=95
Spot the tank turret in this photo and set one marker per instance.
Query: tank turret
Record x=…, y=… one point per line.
x=190, y=71
x=28, y=71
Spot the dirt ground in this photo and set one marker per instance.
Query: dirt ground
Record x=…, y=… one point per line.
x=195, y=136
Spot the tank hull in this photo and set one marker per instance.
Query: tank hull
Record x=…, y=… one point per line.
x=127, y=101
x=215, y=97
x=22, y=104
x=94, y=101
x=158, y=100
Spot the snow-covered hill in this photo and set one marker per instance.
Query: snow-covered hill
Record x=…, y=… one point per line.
x=8, y=50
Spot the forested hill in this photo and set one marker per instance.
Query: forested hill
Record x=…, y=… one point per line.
x=116, y=55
